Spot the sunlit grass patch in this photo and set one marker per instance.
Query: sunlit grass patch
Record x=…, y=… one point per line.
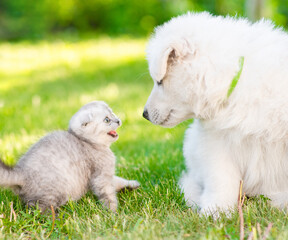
x=23, y=58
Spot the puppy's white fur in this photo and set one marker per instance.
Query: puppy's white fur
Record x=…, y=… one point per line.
x=192, y=60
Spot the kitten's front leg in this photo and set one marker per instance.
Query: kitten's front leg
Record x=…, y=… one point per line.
x=121, y=183
x=103, y=188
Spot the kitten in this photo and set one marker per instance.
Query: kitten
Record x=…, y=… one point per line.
x=64, y=165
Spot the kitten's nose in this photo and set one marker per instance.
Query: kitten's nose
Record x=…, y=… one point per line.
x=146, y=115
x=118, y=122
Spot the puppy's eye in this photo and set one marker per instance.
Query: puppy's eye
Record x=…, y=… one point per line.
x=160, y=82
x=107, y=120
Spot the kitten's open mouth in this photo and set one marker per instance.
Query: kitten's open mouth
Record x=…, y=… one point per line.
x=113, y=134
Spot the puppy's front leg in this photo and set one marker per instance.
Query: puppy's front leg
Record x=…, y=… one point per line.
x=121, y=183
x=103, y=187
x=221, y=189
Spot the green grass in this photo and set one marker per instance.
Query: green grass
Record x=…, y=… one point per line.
x=43, y=84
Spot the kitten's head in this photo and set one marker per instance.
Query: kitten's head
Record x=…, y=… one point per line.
x=96, y=123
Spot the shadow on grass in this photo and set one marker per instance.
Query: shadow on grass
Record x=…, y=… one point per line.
x=124, y=87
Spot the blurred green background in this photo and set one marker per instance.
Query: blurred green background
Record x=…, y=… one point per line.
x=38, y=19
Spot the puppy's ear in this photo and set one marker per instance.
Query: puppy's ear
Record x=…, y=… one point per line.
x=176, y=50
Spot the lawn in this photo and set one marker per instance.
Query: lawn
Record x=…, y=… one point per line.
x=42, y=84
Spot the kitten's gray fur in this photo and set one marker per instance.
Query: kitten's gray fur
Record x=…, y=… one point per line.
x=64, y=165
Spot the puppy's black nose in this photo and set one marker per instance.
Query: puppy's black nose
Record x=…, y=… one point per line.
x=145, y=114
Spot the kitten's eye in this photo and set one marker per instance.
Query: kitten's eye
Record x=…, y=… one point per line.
x=160, y=82
x=107, y=120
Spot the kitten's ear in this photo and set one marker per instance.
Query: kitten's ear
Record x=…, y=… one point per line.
x=176, y=50
x=85, y=119
x=85, y=123
x=80, y=120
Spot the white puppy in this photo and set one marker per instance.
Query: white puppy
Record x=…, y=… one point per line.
x=241, y=131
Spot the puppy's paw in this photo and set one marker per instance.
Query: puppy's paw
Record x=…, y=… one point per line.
x=216, y=212
x=206, y=212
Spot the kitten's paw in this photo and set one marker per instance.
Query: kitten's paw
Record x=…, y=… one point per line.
x=133, y=184
x=111, y=205
x=113, y=208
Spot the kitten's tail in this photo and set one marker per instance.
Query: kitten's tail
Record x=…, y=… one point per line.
x=9, y=177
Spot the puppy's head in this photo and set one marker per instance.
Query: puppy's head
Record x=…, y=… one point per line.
x=170, y=67
x=190, y=72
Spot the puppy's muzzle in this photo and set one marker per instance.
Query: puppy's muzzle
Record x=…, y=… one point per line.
x=146, y=115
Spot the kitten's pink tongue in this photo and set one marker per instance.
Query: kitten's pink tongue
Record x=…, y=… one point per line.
x=113, y=133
